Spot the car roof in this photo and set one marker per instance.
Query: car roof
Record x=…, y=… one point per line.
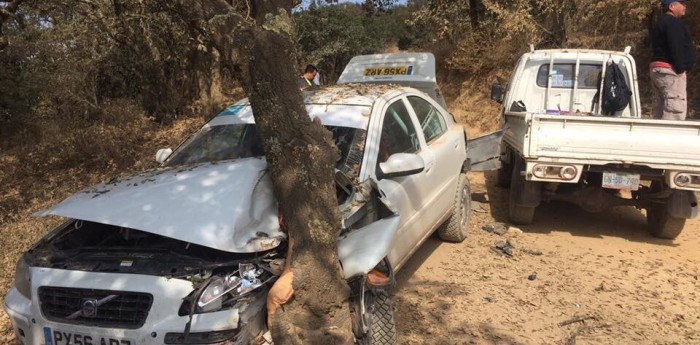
x=347, y=105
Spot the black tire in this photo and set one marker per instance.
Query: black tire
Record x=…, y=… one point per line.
x=504, y=175
x=383, y=328
x=380, y=318
x=663, y=225
x=456, y=228
x=518, y=214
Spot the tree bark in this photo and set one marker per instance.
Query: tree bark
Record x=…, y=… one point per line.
x=7, y=12
x=474, y=13
x=301, y=156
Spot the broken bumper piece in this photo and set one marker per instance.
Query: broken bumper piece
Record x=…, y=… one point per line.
x=221, y=337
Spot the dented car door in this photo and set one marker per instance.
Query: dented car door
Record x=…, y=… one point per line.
x=484, y=152
x=398, y=134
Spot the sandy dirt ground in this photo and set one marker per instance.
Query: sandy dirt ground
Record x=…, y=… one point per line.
x=604, y=269
x=628, y=286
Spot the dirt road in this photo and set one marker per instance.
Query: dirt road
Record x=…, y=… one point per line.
x=633, y=288
x=630, y=287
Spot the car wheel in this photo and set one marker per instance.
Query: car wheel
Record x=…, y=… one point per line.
x=380, y=318
x=518, y=214
x=661, y=224
x=456, y=228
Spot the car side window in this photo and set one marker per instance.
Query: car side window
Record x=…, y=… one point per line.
x=431, y=121
x=398, y=133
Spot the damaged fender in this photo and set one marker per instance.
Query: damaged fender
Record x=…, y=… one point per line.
x=360, y=250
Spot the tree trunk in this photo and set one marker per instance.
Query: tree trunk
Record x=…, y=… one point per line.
x=474, y=13
x=301, y=157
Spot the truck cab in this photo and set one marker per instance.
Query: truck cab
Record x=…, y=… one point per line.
x=571, y=88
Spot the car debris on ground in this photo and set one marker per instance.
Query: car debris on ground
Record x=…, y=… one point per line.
x=504, y=247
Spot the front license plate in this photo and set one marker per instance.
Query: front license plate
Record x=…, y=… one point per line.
x=57, y=337
x=616, y=180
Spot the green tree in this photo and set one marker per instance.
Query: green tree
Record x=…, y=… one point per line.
x=329, y=36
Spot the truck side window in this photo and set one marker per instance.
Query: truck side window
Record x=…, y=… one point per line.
x=431, y=121
x=398, y=133
x=563, y=76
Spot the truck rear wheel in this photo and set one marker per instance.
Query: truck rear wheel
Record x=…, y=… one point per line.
x=504, y=175
x=518, y=214
x=663, y=225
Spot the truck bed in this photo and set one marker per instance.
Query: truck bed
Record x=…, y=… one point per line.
x=598, y=140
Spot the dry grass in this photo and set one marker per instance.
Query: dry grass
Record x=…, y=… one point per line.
x=474, y=108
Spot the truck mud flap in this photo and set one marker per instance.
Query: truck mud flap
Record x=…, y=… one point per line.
x=683, y=204
x=483, y=153
x=530, y=195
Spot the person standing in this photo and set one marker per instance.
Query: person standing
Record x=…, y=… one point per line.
x=673, y=55
x=307, y=80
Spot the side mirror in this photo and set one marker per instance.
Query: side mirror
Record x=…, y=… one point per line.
x=401, y=164
x=163, y=154
x=497, y=93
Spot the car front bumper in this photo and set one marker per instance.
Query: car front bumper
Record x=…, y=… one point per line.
x=238, y=326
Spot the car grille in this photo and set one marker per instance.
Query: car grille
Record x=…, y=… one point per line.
x=100, y=308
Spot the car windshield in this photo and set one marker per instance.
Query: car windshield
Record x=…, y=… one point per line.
x=235, y=141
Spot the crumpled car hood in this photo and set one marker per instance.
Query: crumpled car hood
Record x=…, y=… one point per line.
x=229, y=206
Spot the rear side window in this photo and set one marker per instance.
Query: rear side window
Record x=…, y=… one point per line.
x=431, y=121
x=563, y=76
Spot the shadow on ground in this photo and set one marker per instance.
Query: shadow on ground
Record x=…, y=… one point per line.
x=556, y=216
x=424, y=309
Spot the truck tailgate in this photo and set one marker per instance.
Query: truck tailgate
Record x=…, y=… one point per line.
x=602, y=140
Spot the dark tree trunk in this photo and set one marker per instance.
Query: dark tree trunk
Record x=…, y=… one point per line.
x=474, y=13
x=301, y=157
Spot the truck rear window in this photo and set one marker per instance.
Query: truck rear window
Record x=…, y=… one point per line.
x=563, y=76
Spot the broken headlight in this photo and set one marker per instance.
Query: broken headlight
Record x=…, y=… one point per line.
x=223, y=292
x=23, y=282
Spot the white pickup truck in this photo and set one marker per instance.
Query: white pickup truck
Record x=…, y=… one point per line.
x=558, y=146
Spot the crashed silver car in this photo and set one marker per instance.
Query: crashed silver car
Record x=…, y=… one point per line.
x=186, y=254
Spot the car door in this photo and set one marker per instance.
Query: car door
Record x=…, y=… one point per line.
x=446, y=146
x=484, y=152
x=396, y=132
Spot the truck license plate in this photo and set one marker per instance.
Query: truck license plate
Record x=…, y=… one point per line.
x=56, y=337
x=616, y=180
